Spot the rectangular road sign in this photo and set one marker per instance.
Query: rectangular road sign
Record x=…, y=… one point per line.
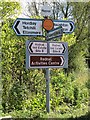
x=37, y=47
x=68, y=26
x=46, y=61
x=58, y=47
x=55, y=33
x=40, y=54
x=28, y=27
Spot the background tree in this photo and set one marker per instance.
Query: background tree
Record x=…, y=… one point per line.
x=23, y=91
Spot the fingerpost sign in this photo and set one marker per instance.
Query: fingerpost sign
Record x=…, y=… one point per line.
x=28, y=27
x=45, y=54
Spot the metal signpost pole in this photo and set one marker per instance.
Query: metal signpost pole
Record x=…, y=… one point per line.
x=47, y=90
x=47, y=83
x=41, y=54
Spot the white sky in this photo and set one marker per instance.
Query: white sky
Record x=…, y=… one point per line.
x=24, y=3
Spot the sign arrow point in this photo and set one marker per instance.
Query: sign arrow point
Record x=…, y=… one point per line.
x=71, y=27
x=62, y=60
x=68, y=26
x=30, y=47
x=17, y=23
x=64, y=48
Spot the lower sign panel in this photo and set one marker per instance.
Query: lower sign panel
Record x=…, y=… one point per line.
x=46, y=61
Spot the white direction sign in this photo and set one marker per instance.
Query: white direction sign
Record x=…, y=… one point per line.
x=37, y=47
x=28, y=27
x=46, y=10
x=57, y=47
x=68, y=26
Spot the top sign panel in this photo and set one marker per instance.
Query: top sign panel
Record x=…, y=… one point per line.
x=68, y=26
x=28, y=27
x=46, y=10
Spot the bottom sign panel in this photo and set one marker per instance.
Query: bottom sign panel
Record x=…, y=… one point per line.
x=46, y=61
x=55, y=55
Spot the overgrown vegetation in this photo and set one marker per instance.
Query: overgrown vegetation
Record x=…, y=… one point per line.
x=24, y=91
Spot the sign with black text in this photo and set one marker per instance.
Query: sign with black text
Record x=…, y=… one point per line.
x=37, y=47
x=28, y=27
x=46, y=10
x=41, y=54
x=68, y=26
x=57, y=47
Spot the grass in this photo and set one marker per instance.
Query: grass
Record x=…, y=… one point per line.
x=74, y=113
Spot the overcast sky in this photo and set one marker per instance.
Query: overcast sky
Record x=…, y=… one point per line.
x=24, y=3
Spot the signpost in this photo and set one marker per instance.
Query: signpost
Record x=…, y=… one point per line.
x=40, y=54
x=46, y=55
x=68, y=26
x=28, y=27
